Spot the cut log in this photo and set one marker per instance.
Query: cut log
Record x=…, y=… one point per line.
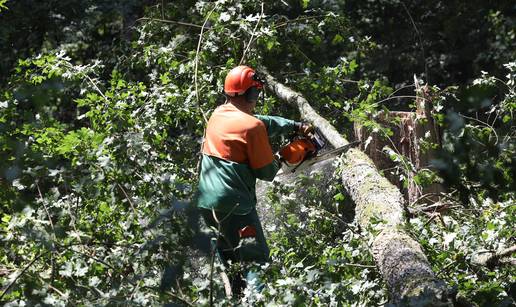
x=492, y=259
x=399, y=257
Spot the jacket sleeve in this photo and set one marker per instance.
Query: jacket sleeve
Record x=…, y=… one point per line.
x=277, y=125
x=268, y=172
x=259, y=152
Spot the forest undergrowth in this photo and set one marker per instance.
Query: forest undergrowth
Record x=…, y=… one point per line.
x=102, y=112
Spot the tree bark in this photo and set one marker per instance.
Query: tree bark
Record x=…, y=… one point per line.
x=400, y=259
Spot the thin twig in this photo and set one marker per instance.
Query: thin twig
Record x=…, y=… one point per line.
x=349, y=81
x=212, y=265
x=335, y=216
x=420, y=40
x=134, y=291
x=496, y=118
x=446, y=267
x=171, y=21
x=396, y=97
x=178, y=285
x=127, y=197
x=427, y=195
x=435, y=208
x=182, y=299
x=21, y=273
x=91, y=257
x=90, y=80
x=51, y=225
x=56, y=290
x=511, y=89
x=407, y=165
x=197, y=87
x=430, y=219
x=219, y=235
x=359, y=265
x=491, y=128
x=297, y=20
x=197, y=63
x=106, y=244
x=302, y=53
x=45, y=207
x=401, y=88
x=252, y=37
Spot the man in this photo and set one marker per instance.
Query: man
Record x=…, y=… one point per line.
x=236, y=152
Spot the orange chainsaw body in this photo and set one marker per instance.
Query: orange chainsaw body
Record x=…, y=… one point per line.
x=297, y=150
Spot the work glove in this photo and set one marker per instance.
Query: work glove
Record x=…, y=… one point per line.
x=304, y=128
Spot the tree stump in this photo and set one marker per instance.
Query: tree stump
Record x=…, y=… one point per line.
x=410, y=130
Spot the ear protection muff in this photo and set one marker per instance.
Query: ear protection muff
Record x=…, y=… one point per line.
x=252, y=94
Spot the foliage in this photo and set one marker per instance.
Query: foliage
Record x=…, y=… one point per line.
x=454, y=238
x=318, y=255
x=476, y=122
x=101, y=184
x=102, y=112
x=474, y=216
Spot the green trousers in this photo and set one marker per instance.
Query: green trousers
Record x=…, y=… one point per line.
x=229, y=245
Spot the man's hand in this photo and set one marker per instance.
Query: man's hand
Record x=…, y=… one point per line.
x=305, y=128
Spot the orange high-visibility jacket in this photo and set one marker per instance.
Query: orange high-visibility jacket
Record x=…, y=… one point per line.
x=236, y=152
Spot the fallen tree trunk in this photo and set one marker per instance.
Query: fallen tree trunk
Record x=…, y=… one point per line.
x=400, y=259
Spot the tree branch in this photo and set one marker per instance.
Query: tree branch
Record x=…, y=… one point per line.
x=21, y=273
x=170, y=21
x=197, y=63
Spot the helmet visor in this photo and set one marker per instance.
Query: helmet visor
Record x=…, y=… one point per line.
x=258, y=80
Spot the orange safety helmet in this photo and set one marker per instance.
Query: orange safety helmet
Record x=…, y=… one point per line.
x=296, y=151
x=239, y=80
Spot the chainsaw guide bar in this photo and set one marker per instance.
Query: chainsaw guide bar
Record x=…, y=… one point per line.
x=319, y=157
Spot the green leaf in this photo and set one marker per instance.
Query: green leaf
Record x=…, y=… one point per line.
x=339, y=197
x=6, y=218
x=104, y=208
x=165, y=78
x=353, y=66
x=2, y=5
x=337, y=39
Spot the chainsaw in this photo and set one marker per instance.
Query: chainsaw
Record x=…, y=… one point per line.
x=304, y=151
